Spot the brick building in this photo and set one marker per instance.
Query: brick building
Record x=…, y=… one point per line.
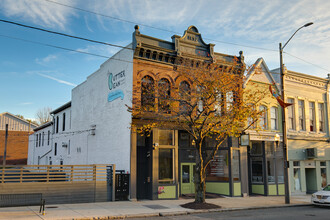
x=18, y=138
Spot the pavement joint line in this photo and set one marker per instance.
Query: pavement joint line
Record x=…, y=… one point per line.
x=37, y=214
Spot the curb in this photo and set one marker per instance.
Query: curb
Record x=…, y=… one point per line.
x=190, y=212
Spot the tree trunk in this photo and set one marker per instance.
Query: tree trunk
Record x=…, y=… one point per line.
x=200, y=187
x=199, y=178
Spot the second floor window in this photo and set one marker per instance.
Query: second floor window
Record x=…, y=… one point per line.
x=164, y=93
x=63, y=124
x=312, y=116
x=55, y=149
x=218, y=103
x=48, y=138
x=321, y=117
x=273, y=118
x=57, y=122
x=43, y=138
x=184, y=96
x=263, y=117
x=301, y=112
x=291, y=121
x=147, y=93
x=229, y=100
x=251, y=122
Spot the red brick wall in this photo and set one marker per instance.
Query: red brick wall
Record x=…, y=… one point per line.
x=17, y=147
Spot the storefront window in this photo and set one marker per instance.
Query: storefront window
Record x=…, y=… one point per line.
x=270, y=148
x=280, y=170
x=257, y=170
x=296, y=175
x=256, y=148
x=218, y=168
x=271, y=170
x=323, y=174
x=165, y=165
x=166, y=137
x=185, y=140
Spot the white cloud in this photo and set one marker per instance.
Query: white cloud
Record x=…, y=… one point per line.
x=158, y=12
x=46, y=60
x=57, y=80
x=101, y=49
x=39, y=12
x=26, y=103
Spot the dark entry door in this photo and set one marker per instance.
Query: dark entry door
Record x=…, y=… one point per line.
x=144, y=168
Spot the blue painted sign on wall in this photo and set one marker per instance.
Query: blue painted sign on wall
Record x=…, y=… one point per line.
x=115, y=81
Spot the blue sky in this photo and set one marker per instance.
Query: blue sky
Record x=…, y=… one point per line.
x=34, y=76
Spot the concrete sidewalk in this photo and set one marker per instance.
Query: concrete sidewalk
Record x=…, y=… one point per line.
x=126, y=209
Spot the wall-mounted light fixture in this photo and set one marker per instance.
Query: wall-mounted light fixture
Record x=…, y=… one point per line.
x=245, y=140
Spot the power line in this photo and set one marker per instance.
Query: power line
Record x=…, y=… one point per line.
x=307, y=61
x=63, y=34
x=78, y=51
x=54, y=46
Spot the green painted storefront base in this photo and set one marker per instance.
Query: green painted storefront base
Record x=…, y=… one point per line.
x=281, y=190
x=258, y=189
x=218, y=188
x=272, y=190
x=237, y=189
x=167, y=192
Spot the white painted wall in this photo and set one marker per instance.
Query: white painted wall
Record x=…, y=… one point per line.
x=90, y=107
x=61, y=139
x=35, y=150
x=45, y=152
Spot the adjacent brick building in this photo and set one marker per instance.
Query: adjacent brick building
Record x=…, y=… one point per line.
x=18, y=138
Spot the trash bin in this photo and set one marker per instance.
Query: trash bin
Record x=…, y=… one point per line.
x=122, y=185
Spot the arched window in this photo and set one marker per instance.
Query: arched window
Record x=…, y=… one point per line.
x=147, y=93
x=263, y=117
x=160, y=57
x=184, y=92
x=154, y=55
x=164, y=92
x=148, y=53
x=141, y=52
x=274, y=118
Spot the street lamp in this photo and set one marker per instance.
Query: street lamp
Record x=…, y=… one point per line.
x=284, y=143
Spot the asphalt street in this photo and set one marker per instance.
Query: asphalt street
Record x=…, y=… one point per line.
x=285, y=213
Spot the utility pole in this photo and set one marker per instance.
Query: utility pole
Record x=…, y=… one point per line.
x=5, y=150
x=284, y=136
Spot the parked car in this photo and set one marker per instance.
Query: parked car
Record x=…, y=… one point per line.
x=322, y=197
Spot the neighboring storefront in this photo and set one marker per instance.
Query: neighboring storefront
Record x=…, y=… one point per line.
x=266, y=168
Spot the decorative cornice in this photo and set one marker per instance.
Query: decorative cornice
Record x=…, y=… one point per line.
x=305, y=81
